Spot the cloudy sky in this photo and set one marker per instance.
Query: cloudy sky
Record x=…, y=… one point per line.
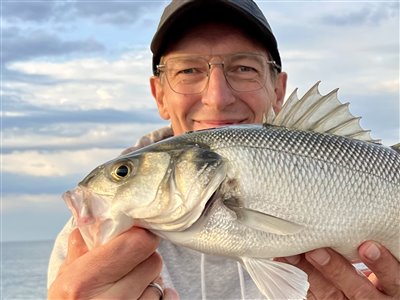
x=74, y=78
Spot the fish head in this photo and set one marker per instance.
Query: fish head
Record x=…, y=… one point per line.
x=161, y=188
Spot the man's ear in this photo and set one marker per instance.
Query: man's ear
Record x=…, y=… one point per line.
x=280, y=91
x=157, y=91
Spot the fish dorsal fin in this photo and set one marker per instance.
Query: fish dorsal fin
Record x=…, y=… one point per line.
x=324, y=114
x=396, y=147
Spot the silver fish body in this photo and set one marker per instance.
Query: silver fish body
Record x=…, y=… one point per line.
x=254, y=192
x=339, y=191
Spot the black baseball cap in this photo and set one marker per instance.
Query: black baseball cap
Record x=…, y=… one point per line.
x=181, y=14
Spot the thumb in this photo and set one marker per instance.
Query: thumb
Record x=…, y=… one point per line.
x=76, y=248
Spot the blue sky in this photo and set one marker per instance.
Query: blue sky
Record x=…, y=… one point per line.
x=75, y=86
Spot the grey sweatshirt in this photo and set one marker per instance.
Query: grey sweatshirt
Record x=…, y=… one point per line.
x=192, y=274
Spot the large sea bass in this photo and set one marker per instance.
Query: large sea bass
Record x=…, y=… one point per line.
x=254, y=192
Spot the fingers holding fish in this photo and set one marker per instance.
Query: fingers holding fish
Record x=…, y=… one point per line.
x=157, y=290
x=385, y=267
x=111, y=269
x=342, y=274
x=76, y=246
x=170, y=294
x=124, y=253
x=61, y=287
x=136, y=283
x=333, y=277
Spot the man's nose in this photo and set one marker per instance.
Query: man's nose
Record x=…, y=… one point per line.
x=218, y=92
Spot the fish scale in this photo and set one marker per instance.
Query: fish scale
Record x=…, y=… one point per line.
x=336, y=169
x=330, y=148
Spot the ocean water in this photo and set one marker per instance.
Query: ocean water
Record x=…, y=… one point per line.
x=24, y=269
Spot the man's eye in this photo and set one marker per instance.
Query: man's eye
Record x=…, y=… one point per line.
x=246, y=69
x=241, y=70
x=188, y=71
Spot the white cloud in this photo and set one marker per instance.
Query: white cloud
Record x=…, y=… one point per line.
x=88, y=83
x=78, y=135
x=351, y=45
x=13, y=114
x=55, y=164
x=84, y=156
x=15, y=202
x=387, y=85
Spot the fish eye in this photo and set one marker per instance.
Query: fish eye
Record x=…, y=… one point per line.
x=121, y=171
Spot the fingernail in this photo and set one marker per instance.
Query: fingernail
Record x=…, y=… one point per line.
x=320, y=256
x=372, y=252
x=294, y=260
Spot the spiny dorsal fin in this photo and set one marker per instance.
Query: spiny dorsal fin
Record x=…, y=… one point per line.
x=396, y=147
x=324, y=114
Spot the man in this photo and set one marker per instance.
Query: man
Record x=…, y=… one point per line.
x=215, y=63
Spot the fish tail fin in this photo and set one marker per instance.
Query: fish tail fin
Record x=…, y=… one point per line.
x=277, y=280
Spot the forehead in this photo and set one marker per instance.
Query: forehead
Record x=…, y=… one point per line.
x=214, y=38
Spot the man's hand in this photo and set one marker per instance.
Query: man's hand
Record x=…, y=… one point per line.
x=331, y=276
x=120, y=269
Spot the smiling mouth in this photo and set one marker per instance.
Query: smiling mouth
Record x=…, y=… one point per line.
x=216, y=123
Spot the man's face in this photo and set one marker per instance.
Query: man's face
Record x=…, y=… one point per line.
x=217, y=105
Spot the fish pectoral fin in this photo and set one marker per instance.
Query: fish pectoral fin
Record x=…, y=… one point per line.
x=262, y=221
x=277, y=280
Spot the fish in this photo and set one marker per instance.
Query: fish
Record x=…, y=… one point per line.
x=309, y=177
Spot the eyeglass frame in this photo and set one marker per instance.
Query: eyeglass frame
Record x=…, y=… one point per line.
x=160, y=68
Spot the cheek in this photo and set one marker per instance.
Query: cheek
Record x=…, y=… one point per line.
x=180, y=106
x=259, y=104
x=180, y=109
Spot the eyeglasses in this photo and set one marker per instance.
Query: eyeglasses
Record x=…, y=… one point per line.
x=244, y=72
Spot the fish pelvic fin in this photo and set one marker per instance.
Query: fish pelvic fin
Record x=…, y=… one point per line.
x=277, y=280
x=320, y=113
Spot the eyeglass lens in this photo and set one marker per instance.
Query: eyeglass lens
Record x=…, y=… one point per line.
x=243, y=72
